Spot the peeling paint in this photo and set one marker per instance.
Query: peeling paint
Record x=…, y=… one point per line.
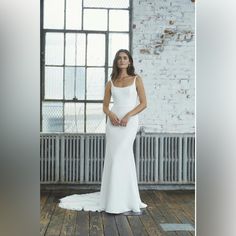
x=162, y=39
x=169, y=32
x=163, y=46
x=189, y=36
x=159, y=48
x=144, y=51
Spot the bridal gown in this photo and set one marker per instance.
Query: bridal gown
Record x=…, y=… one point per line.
x=119, y=191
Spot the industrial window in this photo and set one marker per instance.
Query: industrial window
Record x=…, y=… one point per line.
x=79, y=39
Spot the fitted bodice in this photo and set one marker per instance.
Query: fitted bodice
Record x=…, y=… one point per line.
x=124, y=96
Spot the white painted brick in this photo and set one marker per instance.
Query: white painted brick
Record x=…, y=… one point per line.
x=168, y=75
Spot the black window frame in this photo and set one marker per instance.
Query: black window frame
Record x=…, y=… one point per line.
x=64, y=31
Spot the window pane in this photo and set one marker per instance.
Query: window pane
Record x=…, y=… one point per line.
x=74, y=117
x=73, y=14
x=96, y=119
x=52, y=113
x=95, y=83
x=95, y=19
x=54, y=49
x=74, y=82
x=116, y=42
x=96, y=50
x=53, y=82
x=54, y=14
x=107, y=3
x=75, y=49
x=119, y=20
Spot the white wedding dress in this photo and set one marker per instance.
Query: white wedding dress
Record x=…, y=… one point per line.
x=119, y=191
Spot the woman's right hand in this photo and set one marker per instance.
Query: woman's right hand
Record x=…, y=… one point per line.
x=113, y=118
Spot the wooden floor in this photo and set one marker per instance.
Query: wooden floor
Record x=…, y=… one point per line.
x=172, y=206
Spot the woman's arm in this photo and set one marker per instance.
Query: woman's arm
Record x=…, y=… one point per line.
x=106, y=101
x=107, y=98
x=142, y=98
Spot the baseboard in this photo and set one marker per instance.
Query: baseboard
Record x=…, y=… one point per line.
x=61, y=187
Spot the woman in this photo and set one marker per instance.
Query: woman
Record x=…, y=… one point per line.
x=119, y=188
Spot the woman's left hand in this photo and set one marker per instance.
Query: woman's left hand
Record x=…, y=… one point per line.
x=124, y=120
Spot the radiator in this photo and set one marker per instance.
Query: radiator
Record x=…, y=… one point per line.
x=79, y=158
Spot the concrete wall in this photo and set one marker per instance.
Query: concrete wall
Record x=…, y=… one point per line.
x=164, y=56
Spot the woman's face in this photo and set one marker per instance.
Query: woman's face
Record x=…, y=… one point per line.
x=123, y=60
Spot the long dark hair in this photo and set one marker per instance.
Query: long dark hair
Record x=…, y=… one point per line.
x=116, y=70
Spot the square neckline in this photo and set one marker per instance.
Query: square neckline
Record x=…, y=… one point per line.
x=125, y=86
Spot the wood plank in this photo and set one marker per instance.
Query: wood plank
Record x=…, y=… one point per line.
x=189, y=209
x=56, y=221
x=188, y=212
x=152, y=208
x=43, y=200
x=96, y=227
x=123, y=225
x=68, y=226
x=46, y=214
x=170, y=217
x=166, y=210
x=187, y=203
x=82, y=223
x=151, y=222
x=109, y=224
x=176, y=210
x=180, y=211
x=137, y=226
x=163, y=207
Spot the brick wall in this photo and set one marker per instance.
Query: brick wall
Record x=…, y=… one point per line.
x=164, y=56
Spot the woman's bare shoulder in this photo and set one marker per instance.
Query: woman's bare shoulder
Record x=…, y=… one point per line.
x=138, y=77
x=108, y=83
